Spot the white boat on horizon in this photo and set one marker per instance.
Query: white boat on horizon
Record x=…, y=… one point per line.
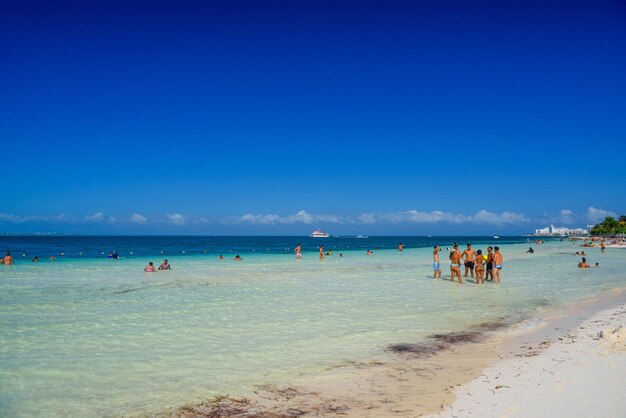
x=319, y=234
x=496, y=237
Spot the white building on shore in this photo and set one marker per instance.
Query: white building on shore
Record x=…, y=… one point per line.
x=553, y=230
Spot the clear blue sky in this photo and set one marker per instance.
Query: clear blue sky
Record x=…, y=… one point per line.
x=199, y=117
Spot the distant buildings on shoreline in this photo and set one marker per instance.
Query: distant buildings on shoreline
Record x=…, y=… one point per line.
x=553, y=230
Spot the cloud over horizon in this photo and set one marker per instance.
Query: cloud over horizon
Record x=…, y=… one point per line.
x=302, y=217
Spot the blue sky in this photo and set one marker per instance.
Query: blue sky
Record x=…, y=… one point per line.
x=281, y=117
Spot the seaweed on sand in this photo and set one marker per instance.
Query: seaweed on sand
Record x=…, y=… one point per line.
x=436, y=343
x=222, y=407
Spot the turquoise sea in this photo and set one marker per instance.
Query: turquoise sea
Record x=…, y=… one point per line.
x=89, y=336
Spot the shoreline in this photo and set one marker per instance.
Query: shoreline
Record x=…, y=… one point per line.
x=427, y=378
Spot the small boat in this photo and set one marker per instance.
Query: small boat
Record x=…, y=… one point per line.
x=496, y=237
x=319, y=234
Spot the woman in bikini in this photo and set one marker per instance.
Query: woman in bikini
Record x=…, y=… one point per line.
x=480, y=267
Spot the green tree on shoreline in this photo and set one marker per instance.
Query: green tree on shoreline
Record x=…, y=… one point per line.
x=610, y=226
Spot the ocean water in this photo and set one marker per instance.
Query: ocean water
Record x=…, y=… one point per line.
x=89, y=336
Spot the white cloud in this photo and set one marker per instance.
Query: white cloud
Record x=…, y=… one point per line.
x=566, y=217
x=486, y=217
x=138, y=218
x=176, y=219
x=436, y=216
x=597, y=215
x=409, y=216
x=366, y=218
x=96, y=217
x=300, y=217
x=7, y=217
x=259, y=219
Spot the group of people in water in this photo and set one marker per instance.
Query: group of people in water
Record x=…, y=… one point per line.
x=479, y=266
x=165, y=265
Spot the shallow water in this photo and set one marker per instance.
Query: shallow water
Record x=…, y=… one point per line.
x=86, y=336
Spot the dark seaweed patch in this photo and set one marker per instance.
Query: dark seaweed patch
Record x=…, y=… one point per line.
x=493, y=326
x=420, y=349
x=436, y=343
x=453, y=338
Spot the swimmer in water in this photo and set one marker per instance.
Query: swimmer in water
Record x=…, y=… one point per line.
x=36, y=259
x=221, y=257
x=165, y=265
x=237, y=258
x=583, y=264
x=298, y=251
x=150, y=268
x=400, y=247
x=8, y=260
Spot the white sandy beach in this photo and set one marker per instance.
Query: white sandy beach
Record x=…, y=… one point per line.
x=572, y=367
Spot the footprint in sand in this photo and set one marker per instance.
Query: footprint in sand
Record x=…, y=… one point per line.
x=560, y=384
x=512, y=409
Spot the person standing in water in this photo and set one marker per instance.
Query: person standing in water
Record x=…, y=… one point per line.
x=489, y=264
x=480, y=267
x=298, y=251
x=436, y=266
x=469, y=257
x=497, y=265
x=8, y=260
x=455, y=265
x=400, y=247
x=150, y=268
x=321, y=253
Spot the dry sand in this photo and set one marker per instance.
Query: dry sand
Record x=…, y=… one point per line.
x=571, y=361
x=572, y=367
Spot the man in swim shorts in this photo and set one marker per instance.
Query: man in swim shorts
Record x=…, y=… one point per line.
x=497, y=265
x=455, y=264
x=469, y=257
x=436, y=266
